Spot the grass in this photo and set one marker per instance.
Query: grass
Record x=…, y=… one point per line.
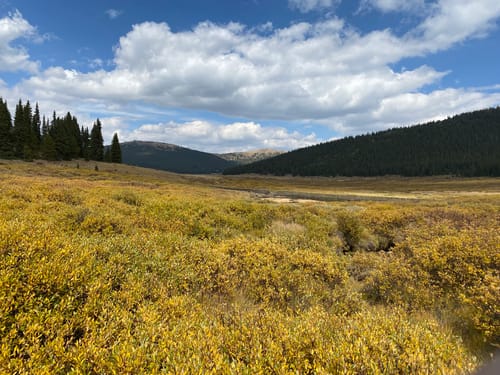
x=129, y=270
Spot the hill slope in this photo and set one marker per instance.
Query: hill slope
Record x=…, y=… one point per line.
x=466, y=144
x=172, y=158
x=247, y=157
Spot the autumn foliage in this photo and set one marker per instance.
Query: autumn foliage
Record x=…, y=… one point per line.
x=118, y=272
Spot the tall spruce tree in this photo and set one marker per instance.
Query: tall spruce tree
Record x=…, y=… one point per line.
x=6, y=140
x=107, y=154
x=96, y=146
x=47, y=145
x=36, y=136
x=85, y=143
x=29, y=137
x=66, y=135
x=18, y=130
x=48, y=148
x=116, y=152
x=24, y=136
x=45, y=126
x=28, y=118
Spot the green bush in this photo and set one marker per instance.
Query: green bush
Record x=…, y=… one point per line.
x=351, y=229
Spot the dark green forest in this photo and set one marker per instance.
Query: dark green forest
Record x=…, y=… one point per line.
x=464, y=145
x=30, y=136
x=172, y=158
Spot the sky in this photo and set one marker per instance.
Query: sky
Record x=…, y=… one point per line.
x=237, y=75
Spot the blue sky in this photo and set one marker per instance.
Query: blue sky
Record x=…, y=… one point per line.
x=229, y=75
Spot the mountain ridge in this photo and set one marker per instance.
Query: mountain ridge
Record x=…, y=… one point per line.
x=246, y=157
x=179, y=159
x=467, y=144
x=170, y=157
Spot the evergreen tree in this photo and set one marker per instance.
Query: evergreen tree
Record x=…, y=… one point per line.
x=53, y=122
x=66, y=135
x=45, y=127
x=6, y=140
x=28, y=153
x=29, y=138
x=107, y=154
x=85, y=143
x=73, y=133
x=23, y=134
x=28, y=117
x=18, y=131
x=77, y=135
x=36, y=125
x=48, y=148
x=116, y=152
x=96, y=146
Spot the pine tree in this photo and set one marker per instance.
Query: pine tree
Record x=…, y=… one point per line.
x=116, y=152
x=18, y=130
x=6, y=140
x=73, y=135
x=66, y=135
x=107, y=154
x=28, y=116
x=24, y=137
x=96, y=147
x=45, y=127
x=85, y=143
x=48, y=148
x=53, y=122
x=29, y=138
x=36, y=124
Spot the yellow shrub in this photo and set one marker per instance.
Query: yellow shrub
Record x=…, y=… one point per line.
x=124, y=273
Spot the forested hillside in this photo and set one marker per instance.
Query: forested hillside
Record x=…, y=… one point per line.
x=172, y=158
x=465, y=145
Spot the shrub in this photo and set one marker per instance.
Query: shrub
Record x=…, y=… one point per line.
x=128, y=197
x=350, y=227
x=171, y=276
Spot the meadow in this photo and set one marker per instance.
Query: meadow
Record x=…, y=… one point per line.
x=124, y=270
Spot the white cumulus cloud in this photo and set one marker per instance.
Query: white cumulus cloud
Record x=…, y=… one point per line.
x=305, y=71
x=15, y=58
x=453, y=21
x=211, y=137
x=324, y=72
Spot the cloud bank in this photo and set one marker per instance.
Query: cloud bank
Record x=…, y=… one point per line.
x=217, y=138
x=324, y=72
x=15, y=58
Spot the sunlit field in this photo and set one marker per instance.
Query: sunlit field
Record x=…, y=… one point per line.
x=127, y=270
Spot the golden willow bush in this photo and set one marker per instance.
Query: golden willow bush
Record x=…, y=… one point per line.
x=114, y=272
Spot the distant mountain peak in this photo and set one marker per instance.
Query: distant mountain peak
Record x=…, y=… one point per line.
x=246, y=157
x=174, y=158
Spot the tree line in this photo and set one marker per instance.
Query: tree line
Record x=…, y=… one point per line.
x=464, y=145
x=31, y=136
